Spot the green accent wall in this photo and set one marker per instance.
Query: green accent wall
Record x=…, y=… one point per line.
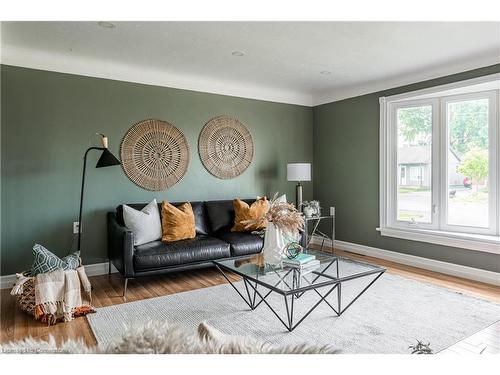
x=346, y=173
x=48, y=119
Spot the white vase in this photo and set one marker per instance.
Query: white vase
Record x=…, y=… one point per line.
x=274, y=245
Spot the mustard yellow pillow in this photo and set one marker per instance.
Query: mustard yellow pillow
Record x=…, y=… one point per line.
x=244, y=212
x=177, y=223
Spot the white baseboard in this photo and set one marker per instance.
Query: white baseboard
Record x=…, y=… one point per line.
x=452, y=269
x=98, y=269
x=95, y=269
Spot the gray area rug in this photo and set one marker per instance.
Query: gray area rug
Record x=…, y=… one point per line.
x=390, y=316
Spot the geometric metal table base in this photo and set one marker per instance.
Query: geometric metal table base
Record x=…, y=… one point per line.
x=255, y=297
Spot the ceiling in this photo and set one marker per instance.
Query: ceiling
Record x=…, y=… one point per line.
x=282, y=61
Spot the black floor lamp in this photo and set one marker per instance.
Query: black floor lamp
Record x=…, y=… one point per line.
x=107, y=159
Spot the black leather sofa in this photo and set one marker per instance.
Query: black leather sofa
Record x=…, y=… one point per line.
x=214, y=240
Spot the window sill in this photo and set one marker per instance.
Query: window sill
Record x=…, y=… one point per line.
x=477, y=242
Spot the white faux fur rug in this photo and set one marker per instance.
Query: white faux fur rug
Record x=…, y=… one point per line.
x=163, y=338
x=393, y=314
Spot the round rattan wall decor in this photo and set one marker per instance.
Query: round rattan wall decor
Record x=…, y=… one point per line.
x=226, y=147
x=155, y=154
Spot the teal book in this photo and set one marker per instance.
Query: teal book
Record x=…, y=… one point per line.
x=300, y=259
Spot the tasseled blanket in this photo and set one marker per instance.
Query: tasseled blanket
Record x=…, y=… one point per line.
x=60, y=295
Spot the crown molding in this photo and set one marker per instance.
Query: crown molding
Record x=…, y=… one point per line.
x=90, y=67
x=329, y=96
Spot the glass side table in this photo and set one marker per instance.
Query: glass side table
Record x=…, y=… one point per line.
x=312, y=230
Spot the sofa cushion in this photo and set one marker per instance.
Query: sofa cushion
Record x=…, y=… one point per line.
x=220, y=214
x=145, y=223
x=242, y=243
x=200, y=219
x=177, y=222
x=246, y=213
x=158, y=254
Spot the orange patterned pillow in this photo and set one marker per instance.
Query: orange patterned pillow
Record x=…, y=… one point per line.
x=177, y=223
x=244, y=212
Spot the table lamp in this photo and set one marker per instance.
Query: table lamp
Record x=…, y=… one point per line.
x=298, y=172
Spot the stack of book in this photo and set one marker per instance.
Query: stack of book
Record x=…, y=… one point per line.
x=302, y=262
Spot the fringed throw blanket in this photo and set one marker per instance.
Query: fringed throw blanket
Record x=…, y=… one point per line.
x=60, y=295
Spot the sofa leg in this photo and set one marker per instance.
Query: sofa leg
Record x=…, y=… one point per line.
x=125, y=289
x=109, y=267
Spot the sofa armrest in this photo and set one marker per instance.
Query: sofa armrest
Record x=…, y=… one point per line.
x=120, y=246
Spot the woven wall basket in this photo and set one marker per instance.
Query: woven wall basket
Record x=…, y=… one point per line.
x=155, y=154
x=225, y=147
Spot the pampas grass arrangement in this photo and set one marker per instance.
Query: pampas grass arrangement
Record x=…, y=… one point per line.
x=283, y=215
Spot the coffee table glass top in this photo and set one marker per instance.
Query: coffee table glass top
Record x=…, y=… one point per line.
x=285, y=280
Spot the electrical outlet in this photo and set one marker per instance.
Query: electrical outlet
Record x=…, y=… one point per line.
x=332, y=211
x=76, y=227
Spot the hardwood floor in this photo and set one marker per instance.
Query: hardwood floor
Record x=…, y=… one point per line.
x=17, y=325
x=485, y=341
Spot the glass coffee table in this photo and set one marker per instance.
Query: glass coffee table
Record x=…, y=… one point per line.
x=260, y=280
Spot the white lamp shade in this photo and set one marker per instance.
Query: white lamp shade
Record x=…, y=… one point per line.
x=298, y=172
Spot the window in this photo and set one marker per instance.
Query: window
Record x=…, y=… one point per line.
x=439, y=169
x=414, y=125
x=468, y=140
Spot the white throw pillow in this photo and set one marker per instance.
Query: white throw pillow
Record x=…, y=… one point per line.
x=145, y=224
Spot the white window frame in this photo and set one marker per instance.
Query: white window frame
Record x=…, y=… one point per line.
x=393, y=165
x=438, y=232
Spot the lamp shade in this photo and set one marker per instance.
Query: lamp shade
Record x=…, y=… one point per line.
x=298, y=172
x=107, y=159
